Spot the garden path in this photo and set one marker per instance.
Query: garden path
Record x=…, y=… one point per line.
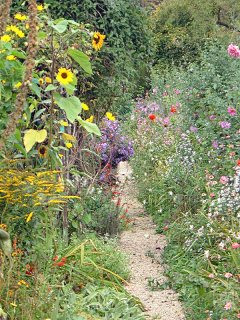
x=145, y=248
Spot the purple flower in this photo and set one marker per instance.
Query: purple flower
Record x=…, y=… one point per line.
x=215, y=144
x=193, y=128
x=225, y=124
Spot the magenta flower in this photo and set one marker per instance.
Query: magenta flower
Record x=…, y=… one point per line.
x=212, y=195
x=231, y=111
x=212, y=117
x=215, y=144
x=223, y=179
x=227, y=305
x=235, y=245
x=225, y=124
x=234, y=51
x=211, y=275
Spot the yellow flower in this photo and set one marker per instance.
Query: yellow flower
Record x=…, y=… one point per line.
x=20, y=34
x=64, y=76
x=42, y=151
x=110, y=116
x=13, y=304
x=90, y=119
x=40, y=7
x=64, y=123
x=1, y=51
x=57, y=201
x=97, y=41
x=29, y=216
x=18, y=85
x=40, y=81
x=85, y=106
x=27, y=26
x=11, y=57
x=6, y=38
x=69, y=144
x=18, y=16
x=60, y=155
x=48, y=80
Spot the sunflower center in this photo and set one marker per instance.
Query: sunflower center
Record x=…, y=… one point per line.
x=64, y=75
x=97, y=39
x=42, y=150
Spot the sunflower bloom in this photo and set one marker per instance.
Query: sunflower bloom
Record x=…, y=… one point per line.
x=42, y=151
x=64, y=76
x=6, y=38
x=69, y=144
x=18, y=16
x=18, y=85
x=40, y=7
x=85, y=106
x=48, y=80
x=40, y=81
x=110, y=116
x=97, y=41
x=11, y=57
x=90, y=119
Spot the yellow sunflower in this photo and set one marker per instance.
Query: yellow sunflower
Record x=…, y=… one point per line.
x=18, y=16
x=90, y=119
x=85, y=106
x=40, y=81
x=110, y=116
x=48, y=80
x=40, y=7
x=6, y=38
x=42, y=151
x=97, y=41
x=64, y=76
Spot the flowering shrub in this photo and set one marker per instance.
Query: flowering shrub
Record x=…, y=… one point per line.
x=114, y=146
x=186, y=165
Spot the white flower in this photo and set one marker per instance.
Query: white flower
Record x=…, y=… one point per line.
x=206, y=253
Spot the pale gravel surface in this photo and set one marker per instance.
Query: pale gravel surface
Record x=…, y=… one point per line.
x=137, y=241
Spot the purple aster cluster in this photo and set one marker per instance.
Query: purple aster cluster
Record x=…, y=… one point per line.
x=114, y=146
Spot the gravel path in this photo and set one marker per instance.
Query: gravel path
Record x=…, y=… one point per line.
x=145, y=248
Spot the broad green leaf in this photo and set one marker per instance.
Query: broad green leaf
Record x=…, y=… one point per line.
x=90, y=127
x=41, y=35
x=19, y=54
x=60, y=27
x=82, y=59
x=72, y=106
x=35, y=88
x=7, y=93
x=33, y=136
x=69, y=88
x=20, y=147
x=50, y=87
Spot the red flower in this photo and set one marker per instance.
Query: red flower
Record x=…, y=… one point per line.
x=238, y=163
x=152, y=116
x=165, y=228
x=63, y=259
x=173, y=110
x=29, y=269
x=55, y=258
x=60, y=264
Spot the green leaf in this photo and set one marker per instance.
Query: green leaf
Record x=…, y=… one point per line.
x=90, y=127
x=82, y=59
x=72, y=106
x=19, y=54
x=60, y=27
x=41, y=35
x=20, y=147
x=35, y=88
x=50, y=87
x=69, y=88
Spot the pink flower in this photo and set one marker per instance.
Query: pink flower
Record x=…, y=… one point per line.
x=212, y=195
x=231, y=111
x=227, y=305
x=211, y=275
x=212, y=117
x=234, y=51
x=235, y=245
x=225, y=124
x=238, y=315
x=223, y=179
x=215, y=144
x=228, y=275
